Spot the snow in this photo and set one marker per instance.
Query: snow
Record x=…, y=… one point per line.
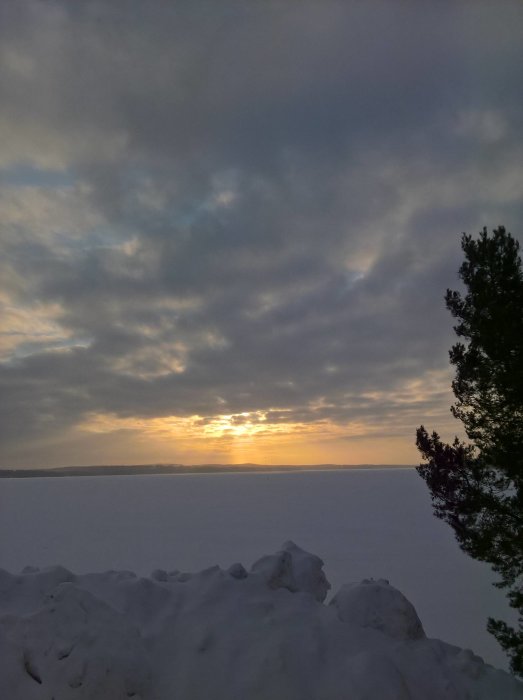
x=295, y=570
x=364, y=523
x=266, y=634
x=379, y=605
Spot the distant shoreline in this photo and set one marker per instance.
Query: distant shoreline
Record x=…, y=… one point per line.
x=140, y=469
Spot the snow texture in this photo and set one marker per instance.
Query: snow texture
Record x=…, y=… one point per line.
x=263, y=635
x=378, y=605
x=368, y=522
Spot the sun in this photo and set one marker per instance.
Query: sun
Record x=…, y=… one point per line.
x=237, y=425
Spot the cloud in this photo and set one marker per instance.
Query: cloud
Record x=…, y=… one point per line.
x=217, y=209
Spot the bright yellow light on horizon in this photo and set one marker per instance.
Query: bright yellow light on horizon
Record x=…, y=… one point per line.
x=273, y=436
x=238, y=438
x=236, y=425
x=245, y=425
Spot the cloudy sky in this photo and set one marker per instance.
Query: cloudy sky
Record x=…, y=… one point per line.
x=227, y=227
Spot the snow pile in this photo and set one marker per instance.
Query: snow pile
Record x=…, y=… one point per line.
x=378, y=605
x=294, y=569
x=264, y=635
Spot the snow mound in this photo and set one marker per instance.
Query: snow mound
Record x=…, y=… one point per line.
x=74, y=646
x=379, y=605
x=294, y=569
x=226, y=634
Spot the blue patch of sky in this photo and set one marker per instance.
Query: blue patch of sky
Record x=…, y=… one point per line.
x=44, y=344
x=94, y=239
x=352, y=277
x=28, y=176
x=183, y=215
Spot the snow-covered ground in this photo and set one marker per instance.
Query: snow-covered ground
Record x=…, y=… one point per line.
x=363, y=523
x=217, y=635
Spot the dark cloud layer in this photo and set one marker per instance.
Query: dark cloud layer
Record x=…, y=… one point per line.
x=237, y=207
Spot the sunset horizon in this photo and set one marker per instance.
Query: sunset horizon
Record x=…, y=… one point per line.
x=228, y=228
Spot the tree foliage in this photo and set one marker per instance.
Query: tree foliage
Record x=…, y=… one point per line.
x=477, y=487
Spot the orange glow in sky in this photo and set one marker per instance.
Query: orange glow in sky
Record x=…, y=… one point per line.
x=248, y=437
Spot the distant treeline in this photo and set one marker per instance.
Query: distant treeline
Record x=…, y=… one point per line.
x=130, y=469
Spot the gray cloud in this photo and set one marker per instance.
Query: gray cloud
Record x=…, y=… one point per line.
x=260, y=205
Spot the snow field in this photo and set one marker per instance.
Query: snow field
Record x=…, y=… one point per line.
x=219, y=634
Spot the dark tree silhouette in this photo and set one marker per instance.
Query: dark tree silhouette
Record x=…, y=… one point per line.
x=478, y=487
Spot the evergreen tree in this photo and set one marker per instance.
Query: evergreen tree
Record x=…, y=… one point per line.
x=477, y=487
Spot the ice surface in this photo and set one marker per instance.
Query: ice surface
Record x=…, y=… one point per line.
x=223, y=634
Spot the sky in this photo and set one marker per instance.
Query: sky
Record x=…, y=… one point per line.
x=227, y=228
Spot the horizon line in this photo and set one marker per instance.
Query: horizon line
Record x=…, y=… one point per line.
x=203, y=465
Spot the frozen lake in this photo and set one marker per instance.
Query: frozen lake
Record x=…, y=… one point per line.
x=363, y=523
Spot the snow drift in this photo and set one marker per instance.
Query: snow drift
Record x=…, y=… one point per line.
x=259, y=635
